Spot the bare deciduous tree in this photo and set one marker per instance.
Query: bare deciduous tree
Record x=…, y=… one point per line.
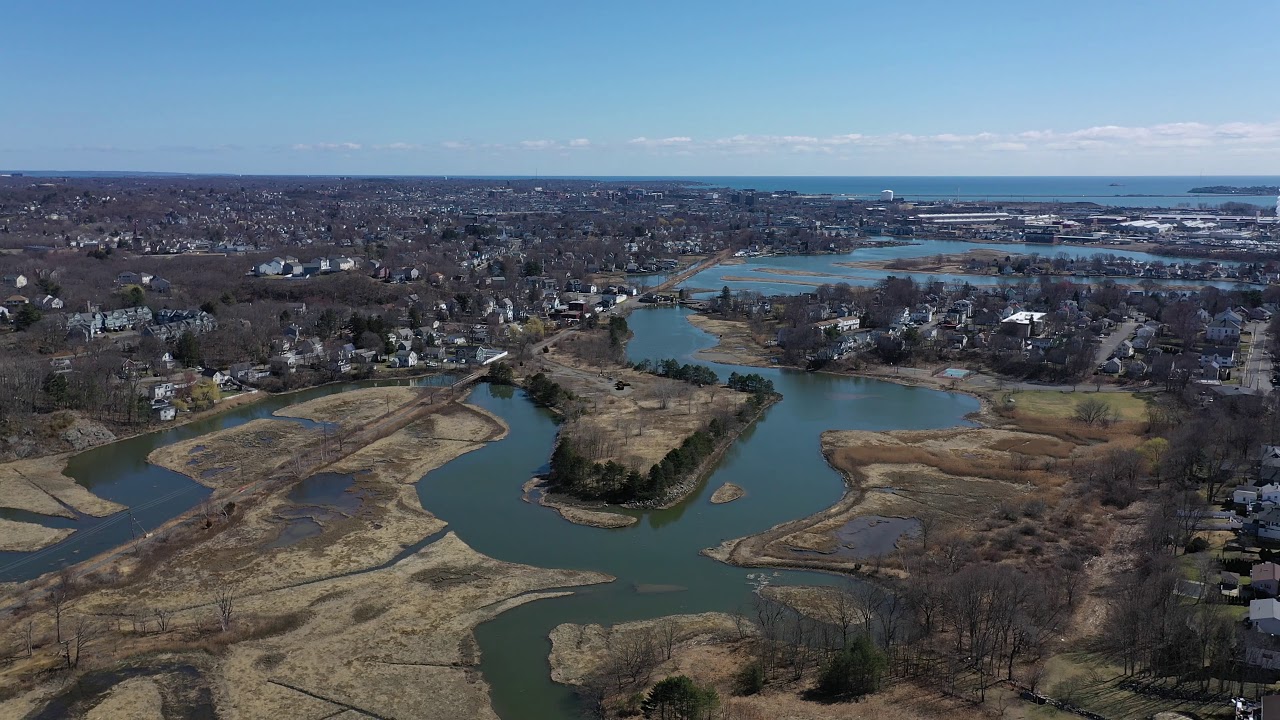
x=162, y=618
x=224, y=600
x=1093, y=411
x=73, y=647
x=58, y=597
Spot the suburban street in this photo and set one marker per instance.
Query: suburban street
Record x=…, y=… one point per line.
x=1256, y=367
x=1109, y=344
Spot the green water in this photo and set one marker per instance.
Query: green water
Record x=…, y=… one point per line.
x=778, y=462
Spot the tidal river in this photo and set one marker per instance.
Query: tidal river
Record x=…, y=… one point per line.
x=659, y=570
x=656, y=562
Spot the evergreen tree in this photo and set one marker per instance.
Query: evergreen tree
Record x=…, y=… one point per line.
x=853, y=672
x=187, y=350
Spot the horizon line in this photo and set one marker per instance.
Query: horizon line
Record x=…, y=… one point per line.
x=485, y=176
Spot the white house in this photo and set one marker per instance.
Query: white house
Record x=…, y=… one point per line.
x=1264, y=616
x=1244, y=495
x=405, y=359
x=1223, y=330
x=15, y=281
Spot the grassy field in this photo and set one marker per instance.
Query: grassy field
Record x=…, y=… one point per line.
x=1053, y=403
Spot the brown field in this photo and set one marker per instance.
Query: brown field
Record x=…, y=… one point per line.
x=18, y=536
x=354, y=408
x=232, y=457
x=38, y=485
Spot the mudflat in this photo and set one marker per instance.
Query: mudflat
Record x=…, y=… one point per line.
x=354, y=408
x=235, y=456
x=38, y=485
x=18, y=536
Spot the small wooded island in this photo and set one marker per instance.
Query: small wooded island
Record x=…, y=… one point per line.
x=1235, y=190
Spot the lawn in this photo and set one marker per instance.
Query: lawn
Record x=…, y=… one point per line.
x=1054, y=403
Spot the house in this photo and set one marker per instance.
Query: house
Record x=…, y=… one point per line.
x=128, y=277
x=1113, y=367
x=1229, y=584
x=1264, y=578
x=166, y=362
x=164, y=412
x=1264, y=616
x=16, y=301
x=15, y=281
x=841, y=324
x=1269, y=463
x=1224, y=356
x=220, y=378
x=405, y=359
x=161, y=392
x=1223, y=330
x=1023, y=324
x=247, y=373
x=275, y=266
x=161, y=285
x=1266, y=524
x=1244, y=496
x=284, y=363
x=48, y=302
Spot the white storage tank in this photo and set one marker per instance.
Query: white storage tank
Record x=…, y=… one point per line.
x=886, y=195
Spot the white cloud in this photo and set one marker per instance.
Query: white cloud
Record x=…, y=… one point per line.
x=1170, y=136
x=579, y=143
x=660, y=142
x=539, y=144
x=328, y=147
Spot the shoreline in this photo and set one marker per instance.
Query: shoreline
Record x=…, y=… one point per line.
x=253, y=493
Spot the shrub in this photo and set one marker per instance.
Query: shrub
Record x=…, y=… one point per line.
x=854, y=671
x=749, y=680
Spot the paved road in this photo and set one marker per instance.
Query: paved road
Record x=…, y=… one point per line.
x=1256, y=368
x=1112, y=341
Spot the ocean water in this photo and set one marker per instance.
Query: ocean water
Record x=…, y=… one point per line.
x=1164, y=191
x=1109, y=190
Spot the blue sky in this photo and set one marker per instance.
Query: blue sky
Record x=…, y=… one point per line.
x=651, y=88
